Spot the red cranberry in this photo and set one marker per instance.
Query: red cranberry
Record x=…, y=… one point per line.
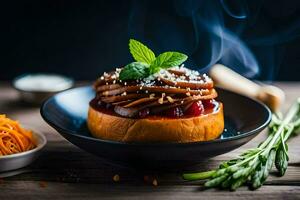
x=174, y=112
x=144, y=113
x=195, y=109
x=208, y=104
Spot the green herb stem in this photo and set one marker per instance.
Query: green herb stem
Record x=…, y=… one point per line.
x=254, y=165
x=199, y=175
x=289, y=117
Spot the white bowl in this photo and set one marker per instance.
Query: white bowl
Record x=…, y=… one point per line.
x=19, y=160
x=35, y=88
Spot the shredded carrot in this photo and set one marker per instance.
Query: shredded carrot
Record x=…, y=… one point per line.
x=14, y=138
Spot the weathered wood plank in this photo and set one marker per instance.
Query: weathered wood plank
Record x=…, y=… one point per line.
x=60, y=191
x=63, y=162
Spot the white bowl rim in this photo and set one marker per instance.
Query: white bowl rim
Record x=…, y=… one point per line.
x=36, y=149
x=68, y=79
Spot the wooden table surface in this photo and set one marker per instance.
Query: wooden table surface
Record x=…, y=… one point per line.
x=66, y=172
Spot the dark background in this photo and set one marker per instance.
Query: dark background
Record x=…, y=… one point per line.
x=82, y=39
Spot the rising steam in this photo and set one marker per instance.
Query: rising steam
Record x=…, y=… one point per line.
x=211, y=32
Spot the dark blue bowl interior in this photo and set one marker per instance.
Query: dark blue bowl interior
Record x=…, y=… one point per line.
x=67, y=113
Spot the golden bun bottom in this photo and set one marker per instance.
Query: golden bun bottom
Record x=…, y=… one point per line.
x=158, y=129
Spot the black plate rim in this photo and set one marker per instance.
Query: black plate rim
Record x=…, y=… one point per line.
x=219, y=140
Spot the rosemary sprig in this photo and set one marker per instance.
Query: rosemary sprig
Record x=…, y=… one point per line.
x=253, y=166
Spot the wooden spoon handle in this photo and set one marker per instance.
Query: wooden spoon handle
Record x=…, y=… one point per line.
x=230, y=80
x=226, y=78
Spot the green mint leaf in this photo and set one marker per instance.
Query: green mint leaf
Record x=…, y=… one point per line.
x=154, y=69
x=140, y=52
x=134, y=70
x=169, y=59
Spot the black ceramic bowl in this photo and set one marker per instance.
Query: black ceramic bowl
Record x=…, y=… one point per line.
x=67, y=113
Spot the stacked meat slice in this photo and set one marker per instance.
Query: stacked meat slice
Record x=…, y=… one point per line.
x=170, y=88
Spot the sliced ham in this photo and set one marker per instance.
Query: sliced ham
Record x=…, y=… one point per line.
x=177, y=72
x=108, y=87
x=174, y=87
x=122, y=103
x=112, y=99
x=153, y=89
x=156, y=107
x=194, y=85
x=126, y=112
x=140, y=101
x=106, y=78
x=120, y=90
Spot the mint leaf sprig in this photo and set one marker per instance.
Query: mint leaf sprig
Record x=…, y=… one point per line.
x=140, y=52
x=146, y=63
x=253, y=166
